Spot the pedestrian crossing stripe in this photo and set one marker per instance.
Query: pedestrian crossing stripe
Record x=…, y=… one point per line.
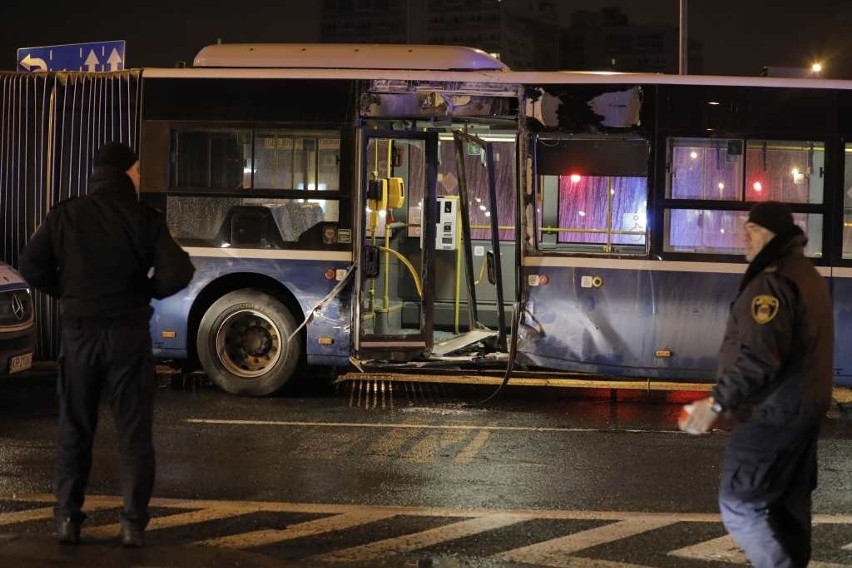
x=561, y=552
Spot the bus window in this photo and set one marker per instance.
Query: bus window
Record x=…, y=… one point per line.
x=785, y=171
x=712, y=169
x=284, y=160
x=705, y=169
x=252, y=222
x=265, y=159
x=708, y=231
x=211, y=159
x=738, y=170
x=593, y=196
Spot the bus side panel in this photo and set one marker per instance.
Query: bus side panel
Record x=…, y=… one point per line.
x=689, y=318
x=630, y=323
x=841, y=290
x=588, y=320
x=305, y=279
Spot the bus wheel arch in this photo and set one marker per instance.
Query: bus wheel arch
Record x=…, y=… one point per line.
x=240, y=326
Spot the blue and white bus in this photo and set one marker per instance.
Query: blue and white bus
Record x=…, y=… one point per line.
x=398, y=208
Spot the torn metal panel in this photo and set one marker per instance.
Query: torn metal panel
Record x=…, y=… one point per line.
x=394, y=98
x=458, y=87
x=584, y=108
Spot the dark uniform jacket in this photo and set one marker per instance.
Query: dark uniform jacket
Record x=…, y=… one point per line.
x=775, y=362
x=105, y=255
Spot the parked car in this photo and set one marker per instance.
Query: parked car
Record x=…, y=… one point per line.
x=17, y=322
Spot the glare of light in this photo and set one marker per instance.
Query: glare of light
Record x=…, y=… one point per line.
x=612, y=192
x=369, y=210
x=581, y=213
x=246, y=170
x=713, y=103
x=722, y=231
x=488, y=213
x=693, y=154
x=383, y=212
x=816, y=67
x=798, y=176
x=225, y=245
x=482, y=208
x=757, y=186
x=721, y=185
x=478, y=200
x=575, y=178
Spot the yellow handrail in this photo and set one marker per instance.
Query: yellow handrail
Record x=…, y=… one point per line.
x=408, y=265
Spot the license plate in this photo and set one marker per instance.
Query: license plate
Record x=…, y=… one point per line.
x=20, y=362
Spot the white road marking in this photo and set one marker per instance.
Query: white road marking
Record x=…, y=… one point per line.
x=309, y=528
x=422, y=539
x=176, y=520
x=24, y=516
x=722, y=549
x=43, y=513
x=472, y=449
x=557, y=553
x=423, y=426
x=554, y=552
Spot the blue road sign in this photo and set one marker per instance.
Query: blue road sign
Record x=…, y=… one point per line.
x=96, y=56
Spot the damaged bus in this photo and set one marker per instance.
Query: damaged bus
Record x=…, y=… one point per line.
x=392, y=210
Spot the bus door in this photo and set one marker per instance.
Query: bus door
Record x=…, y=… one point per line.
x=397, y=245
x=468, y=239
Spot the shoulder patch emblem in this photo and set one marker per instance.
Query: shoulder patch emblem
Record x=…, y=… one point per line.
x=764, y=308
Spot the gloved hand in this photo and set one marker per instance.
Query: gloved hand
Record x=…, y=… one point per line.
x=698, y=417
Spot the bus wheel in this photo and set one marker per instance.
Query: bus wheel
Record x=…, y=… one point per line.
x=242, y=343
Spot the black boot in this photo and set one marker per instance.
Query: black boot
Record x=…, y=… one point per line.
x=69, y=532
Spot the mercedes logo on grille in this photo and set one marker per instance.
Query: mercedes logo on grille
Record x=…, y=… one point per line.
x=18, y=307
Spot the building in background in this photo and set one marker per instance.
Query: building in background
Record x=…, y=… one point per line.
x=606, y=40
x=523, y=33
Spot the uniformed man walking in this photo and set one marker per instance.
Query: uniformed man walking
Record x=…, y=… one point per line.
x=105, y=256
x=774, y=377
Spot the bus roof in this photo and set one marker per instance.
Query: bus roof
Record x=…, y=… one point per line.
x=347, y=56
x=502, y=76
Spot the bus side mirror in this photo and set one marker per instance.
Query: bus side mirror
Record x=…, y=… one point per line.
x=490, y=262
x=371, y=261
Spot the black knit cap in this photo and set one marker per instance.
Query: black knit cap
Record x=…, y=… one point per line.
x=116, y=155
x=772, y=215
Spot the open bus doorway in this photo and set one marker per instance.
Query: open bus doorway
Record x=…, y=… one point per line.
x=432, y=285
x=397, y=245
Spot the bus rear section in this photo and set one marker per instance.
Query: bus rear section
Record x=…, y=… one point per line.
x=634, y=221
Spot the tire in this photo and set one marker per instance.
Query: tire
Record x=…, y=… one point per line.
x=242, y=343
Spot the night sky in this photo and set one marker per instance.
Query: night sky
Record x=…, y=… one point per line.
x=739, y=37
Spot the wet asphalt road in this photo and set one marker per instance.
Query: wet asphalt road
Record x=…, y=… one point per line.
x=535, y=478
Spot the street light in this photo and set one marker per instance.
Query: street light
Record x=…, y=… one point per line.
x=816, y=68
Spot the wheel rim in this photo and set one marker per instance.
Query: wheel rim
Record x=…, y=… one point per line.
x=248, y=344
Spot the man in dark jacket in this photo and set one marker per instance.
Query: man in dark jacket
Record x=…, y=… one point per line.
x=775, y=379
x=105, y=256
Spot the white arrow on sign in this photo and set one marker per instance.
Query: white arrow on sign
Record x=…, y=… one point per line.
x=114, y=60
x=33, y=63
x=92, y=61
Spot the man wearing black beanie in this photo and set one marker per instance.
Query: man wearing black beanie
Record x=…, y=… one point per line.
x=774, y=378
x=105, y=256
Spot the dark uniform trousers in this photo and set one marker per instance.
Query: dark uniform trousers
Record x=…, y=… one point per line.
x=768, y=475
x=111, y=356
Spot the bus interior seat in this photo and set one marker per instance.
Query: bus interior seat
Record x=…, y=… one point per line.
x=250, y=226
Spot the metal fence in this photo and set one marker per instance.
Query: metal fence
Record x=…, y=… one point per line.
x=50, y=126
